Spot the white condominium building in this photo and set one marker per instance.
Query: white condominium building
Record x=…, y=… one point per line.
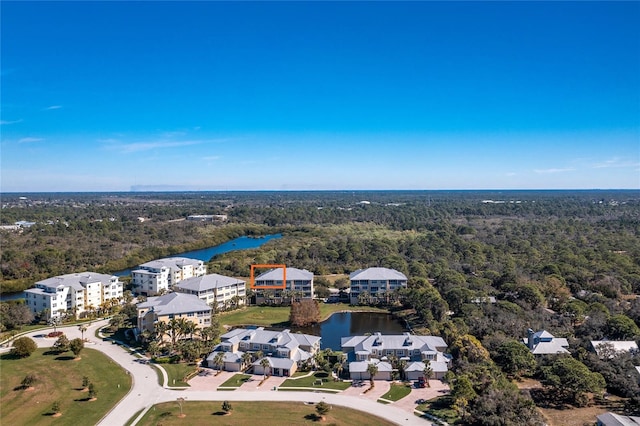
x=73, y=293
x=377, y=282
x=157, y=276
x=215, y=289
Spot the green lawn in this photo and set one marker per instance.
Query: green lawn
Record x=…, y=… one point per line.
x=59, y=378
x=177, y=373
x=279, y=315
x=244, y=413
x=439, y=407
x=314, y=380
x=397, y=392
x=236, y=381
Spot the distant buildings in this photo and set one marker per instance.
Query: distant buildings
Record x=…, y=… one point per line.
x=299, y=283
x=544, y=343
x=376, y=283
x=158, y=276
x=73, y=293
x=207, y=217
x=172, y=306
x=214, y=289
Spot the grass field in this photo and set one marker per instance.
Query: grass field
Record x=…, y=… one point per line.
x=244, y=413
x=397, y=392
x=279, y=315
x=177, y=373
x=313, y=381
x=236, y=381
x=59, y=378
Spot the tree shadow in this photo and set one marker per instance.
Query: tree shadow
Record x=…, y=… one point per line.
x=219, y=413
x=64, y=358
x=313, y=417
x=8, y=356
x=85, y=399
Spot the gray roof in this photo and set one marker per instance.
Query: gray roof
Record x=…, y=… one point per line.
x=292, y=275
x=393, y=341
x=172, y=263
x=361, y=366
x=208, y=282
x=78, y=280
x=436, y=367
x=235, y=357
x=285, y=363
x=175, y=303
x=259, y=335
x=612, y=419
x=377, y=274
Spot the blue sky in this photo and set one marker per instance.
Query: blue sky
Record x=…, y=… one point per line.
x=295, y=95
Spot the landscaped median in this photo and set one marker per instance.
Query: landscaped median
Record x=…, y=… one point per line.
x=234, y=382
x=397, y=392
x=318, y=381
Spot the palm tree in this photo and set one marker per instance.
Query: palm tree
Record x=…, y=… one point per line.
x=246, y=359
x=338, y=368
x=257, y=355
x=372, y=369
x=189, y=328
x=82, y=328
x=264, y=363
x=218, y=360
x=428, y=372
x=402, y=364
x=160, y=330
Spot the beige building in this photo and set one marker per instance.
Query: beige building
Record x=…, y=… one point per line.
x=159, y=276
x=173, y=305
x=215, y=289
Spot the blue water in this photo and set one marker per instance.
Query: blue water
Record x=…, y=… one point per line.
x=205, y=254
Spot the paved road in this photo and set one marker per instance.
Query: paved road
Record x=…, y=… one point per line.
x=146, y=391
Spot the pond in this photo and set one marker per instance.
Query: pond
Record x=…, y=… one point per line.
x=344, y=324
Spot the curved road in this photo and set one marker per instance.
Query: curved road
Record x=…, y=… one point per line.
x=146, y=391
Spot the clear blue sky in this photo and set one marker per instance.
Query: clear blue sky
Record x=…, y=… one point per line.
x=294, y=95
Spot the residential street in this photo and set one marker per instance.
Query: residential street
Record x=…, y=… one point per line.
x=146, y=391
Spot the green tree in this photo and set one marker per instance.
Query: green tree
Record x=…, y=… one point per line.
x=428, y=373
x=322, y=408
x=218, y=360
x=571, y=380
x=621, y=327
x=23, y=347
x=55, y=407
x=372, y=369
x=62, y=344
x=76, y=345
x=93, y=393
x=515, y=358
x=28, y=381
x=226, y=407
x=264, y=363
x=85, y=382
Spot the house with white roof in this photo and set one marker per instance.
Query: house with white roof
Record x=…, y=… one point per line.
x=158, y=276
x=613, y=419
x=299, y=281
x=416, y=351
x=173, y=306
x=283, y=350
x=377, y=282
x=73, y=293
x=610, y=347
x=544, y=343
x=216, y=290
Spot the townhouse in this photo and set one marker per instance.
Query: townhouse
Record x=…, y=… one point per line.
x=283, y=350
x=73, y=293
x=158, y=276
x=299, y=283
x=416, y=351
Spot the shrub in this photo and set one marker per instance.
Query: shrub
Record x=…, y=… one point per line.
x=23, y=347
x=55, y=334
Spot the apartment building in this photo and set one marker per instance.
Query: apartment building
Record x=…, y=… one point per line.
x=172, y=306
x=216, y=290
x=299, y=283
x=377, y=283
x=158, y=276
x=73, y=293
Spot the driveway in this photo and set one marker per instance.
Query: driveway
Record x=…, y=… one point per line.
x=409, y=402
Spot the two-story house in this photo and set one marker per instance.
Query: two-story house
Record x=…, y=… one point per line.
x=215, y=289
x=72, y=293
x=283, y=350
x=416, y=351
x=158, y=276
x=377, y=283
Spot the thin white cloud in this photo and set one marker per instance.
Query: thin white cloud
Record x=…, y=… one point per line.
x=30, y=140
x=146, y=146
x=616, y=163
x=3, y=122
x=511, y=174
x=547, y=171
x=52, y=107
x=211, y=158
